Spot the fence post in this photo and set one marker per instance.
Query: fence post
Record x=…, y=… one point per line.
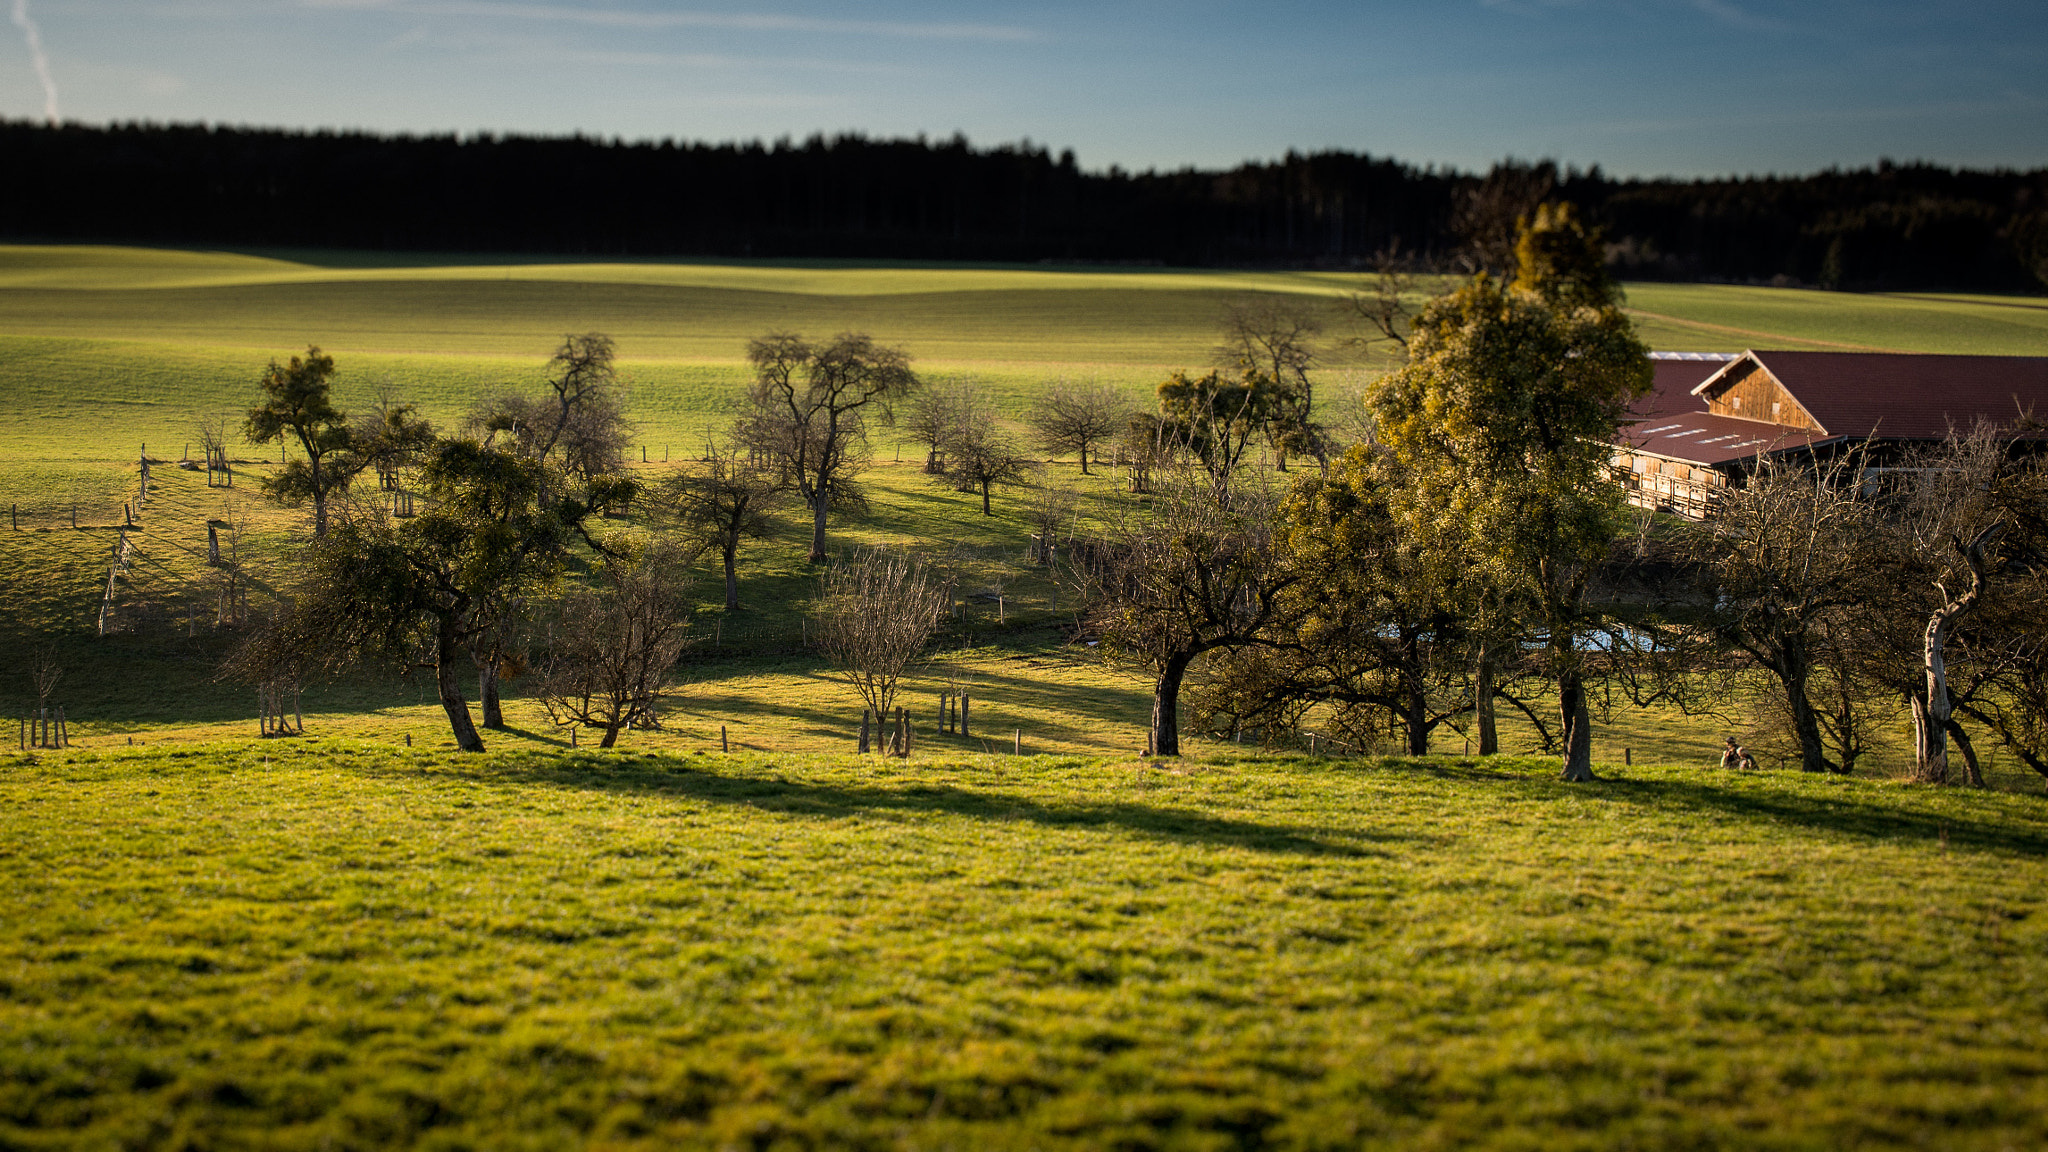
x=1017, y=743
x=722, y=745
x=863, y=729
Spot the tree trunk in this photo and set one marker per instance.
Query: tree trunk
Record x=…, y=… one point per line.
x=1482, y=702
x=1795, y=672
x=611, y=734
x=732, y=579
x=1973, y=773
x=1084, y=458
x=487, y=693
x=984, y=499
x=447, y=652
x=1416, y=699
x=1577, y=718
x=818, y=506
x=1930, y=748
x=319, y=498
x=1166, y=706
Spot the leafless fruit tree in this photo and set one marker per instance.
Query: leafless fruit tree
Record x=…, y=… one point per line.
x=1078, y=416
x=806, y=412
x=615, y=645
x=720, y=500
x=875, y=614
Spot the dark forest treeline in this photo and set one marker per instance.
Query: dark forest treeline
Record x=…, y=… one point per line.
x=1895, y=226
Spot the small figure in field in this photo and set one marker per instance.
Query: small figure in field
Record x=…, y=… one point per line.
x=1736, y=756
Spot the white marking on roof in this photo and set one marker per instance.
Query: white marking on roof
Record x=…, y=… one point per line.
x=1715, y=357
x=1687, y=432
x=1661, y=428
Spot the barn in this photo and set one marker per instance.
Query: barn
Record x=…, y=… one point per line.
x=1711, y=415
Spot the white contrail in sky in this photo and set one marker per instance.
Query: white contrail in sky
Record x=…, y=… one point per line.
x=40, y=58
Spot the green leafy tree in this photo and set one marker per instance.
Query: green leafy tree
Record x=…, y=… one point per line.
x=297, y=404
x=1503, y=418
x=497, y=525
x=1368, y=631
x=1560, y=258
x=1215, y=418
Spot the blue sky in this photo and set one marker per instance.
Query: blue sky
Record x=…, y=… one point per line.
x=1638, y=86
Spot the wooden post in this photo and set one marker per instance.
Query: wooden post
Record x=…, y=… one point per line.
x=722, y=745
x=63, y=731
x=909, y=732
x=1311, y=743
x=212, y=544
x=643, y=453
x=864, y=714
x=963, y=713
x=1627, y=756
x=1017, y=743
x=74, y=513
x=572, y=736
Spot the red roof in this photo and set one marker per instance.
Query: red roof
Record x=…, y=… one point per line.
x=1859, y=394
x=1671, y=421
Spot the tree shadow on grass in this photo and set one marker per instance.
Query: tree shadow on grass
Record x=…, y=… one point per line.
x=1837, y=809
x=834, y=801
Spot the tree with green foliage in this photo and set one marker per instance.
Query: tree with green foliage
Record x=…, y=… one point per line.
x=1503, y=418
x=1277, y=339
x=297, y=403
x=497, y=525
x=1214, y=418
x=1369, y=629
x=1197, y=571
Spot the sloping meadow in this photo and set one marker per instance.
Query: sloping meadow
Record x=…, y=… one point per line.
x=338, y=944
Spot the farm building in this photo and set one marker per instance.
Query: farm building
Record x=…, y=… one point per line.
x=1710, y=414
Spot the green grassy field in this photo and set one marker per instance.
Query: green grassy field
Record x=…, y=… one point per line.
x=104, y=350
x=343, y=945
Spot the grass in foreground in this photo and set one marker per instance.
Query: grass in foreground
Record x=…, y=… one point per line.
x=342, y=945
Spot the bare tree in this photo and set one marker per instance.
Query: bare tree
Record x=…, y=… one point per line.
x=1787, y=559
x=875, y=614
x=1049, y=510
x=806, y=412
x=1194, y=574
x=1961, y=536
x=933, y=416
x=1487, y=214
x=978, y=455
x=615, y=645
x=1277, y=337
x=721, y=500
x=1078, y=416
x=1146, y=444
x=1382, y=306
x=580, y=424
x=44, y=671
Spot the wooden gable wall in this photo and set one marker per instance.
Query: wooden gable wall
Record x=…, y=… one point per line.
x=1746, y=390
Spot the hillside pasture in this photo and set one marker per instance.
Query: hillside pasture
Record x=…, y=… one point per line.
x=331, y=944
x=105, y=350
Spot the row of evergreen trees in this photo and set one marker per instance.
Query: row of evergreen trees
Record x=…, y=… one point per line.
x=1893, y=226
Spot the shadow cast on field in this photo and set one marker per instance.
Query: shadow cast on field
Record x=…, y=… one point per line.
x=1751, y=801
x=832, y=801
